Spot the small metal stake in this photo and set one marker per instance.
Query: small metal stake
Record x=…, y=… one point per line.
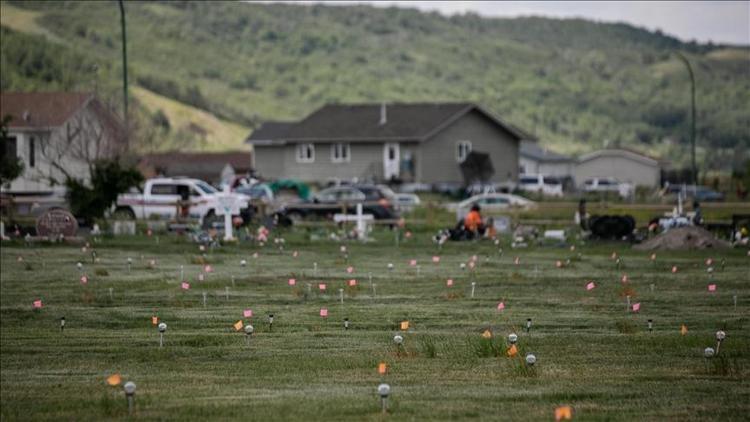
x=270, y=322
x=650, y=325
x=226, y=291
x=528, y=324
x=341, y=295
x=652, y=287
x=315, y=269
x=204, y=299
x=232, y=281
x=419, y=268
x=129, y=388
x=182, y=273
x=373, y=289
x=628, y=302
x=62, y=324
x=720, y=335
x=162, y=329
x=346, y=323
x=473, y=286
x=384, y=390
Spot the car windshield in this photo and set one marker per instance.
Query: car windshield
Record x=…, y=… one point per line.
x=551, y=181
x=371, y=194
x=529, y=180
x=205, y=187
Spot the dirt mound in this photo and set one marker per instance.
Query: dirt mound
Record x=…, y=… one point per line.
x=683, y=238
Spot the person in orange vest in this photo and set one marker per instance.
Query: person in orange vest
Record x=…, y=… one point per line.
x=473, y=222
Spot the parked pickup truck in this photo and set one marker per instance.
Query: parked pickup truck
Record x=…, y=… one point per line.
x=163, y=197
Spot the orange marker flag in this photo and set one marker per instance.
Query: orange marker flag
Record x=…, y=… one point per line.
x=563, y=413
x=404, y=325
x=154, y=320
x=512, y=351
x=238, y=325
x=683, y=329
x=487, y=334
x=382, y=368
x=114, y=379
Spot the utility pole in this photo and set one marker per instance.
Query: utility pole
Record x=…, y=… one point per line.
x=692, y=123
x=124, y=72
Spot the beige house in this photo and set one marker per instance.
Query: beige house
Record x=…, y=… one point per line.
x=56, y=135
x=624, y=165
x=410, y=142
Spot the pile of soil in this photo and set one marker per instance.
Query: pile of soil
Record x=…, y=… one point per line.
x=683, y=238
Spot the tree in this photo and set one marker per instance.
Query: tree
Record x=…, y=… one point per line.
x=109, y=178
x=10, y=165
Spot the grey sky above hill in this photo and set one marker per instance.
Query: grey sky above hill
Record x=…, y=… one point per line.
x=703, y=21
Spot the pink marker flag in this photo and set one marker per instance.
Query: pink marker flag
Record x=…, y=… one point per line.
x=208, y=269
x=709, y=261
x=84, y=279
x=322, y=286
x=501, y=306
x=590, y=286
x=517, y=261
x=449, y=283
x=324, y=312
x=472, y=264
x=295, y=254
x=38, y=304
x=201, y=277
x=674, y=269
x=352, y=283
x=247, y=313
x=474, y=258
x=185, y=285
x=413, y=262
x=636, y=307
x=558, y=264
x=292, y=282
x=711, y=287
x=436, y=259
x=342, y=249
x=255, y=255
x=349, y=270
x=624, y=278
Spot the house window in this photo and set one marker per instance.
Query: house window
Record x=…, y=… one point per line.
x=8, y=148
x=305, y=153
x=340, y=153
x=463, y=148
x=32, y=151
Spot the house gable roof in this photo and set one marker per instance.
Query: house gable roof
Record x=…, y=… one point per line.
x=533, y=151
x=621, y=153
x=362, y=123
x=37, y=110
x=269, y=131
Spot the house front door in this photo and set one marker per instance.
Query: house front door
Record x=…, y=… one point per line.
x=391, y=161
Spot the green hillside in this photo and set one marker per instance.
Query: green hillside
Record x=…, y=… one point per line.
x=575, y=84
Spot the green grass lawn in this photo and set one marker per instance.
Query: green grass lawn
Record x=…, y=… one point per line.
x=592, y=354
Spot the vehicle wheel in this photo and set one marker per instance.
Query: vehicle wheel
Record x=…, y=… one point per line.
x=123, y=213
x=295, y=217
x=211, y=220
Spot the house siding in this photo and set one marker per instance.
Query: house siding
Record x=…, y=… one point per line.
x=438, y=154
x=365, y=163
x=621, y=168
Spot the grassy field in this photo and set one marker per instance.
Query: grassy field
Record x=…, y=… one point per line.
x=592, y=354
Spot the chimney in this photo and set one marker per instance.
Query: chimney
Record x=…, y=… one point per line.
x=383, y=114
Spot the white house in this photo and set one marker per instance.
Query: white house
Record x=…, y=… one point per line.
x=56, y=135
x=534, y=159
x=624, y=165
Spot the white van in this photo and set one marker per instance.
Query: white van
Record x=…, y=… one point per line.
x=539, y=183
